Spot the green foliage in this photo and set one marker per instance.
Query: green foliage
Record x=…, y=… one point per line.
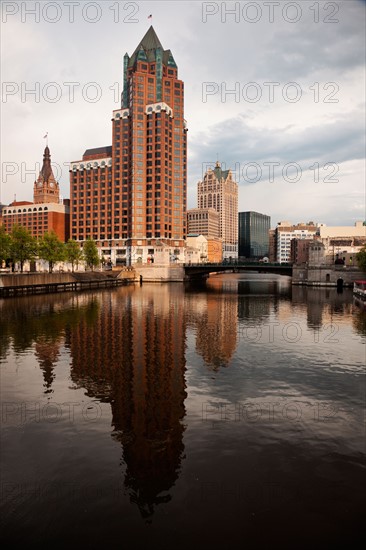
x=23, y=246
x=5, y=244
x=361, y=258
x=73, y=253
x=90, y=254
x=51, y=249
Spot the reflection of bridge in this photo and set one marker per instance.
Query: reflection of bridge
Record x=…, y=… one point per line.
x=193, y=271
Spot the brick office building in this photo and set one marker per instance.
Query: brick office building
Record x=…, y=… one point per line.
x=131, y=197
x=204, y=221
x=48, y=212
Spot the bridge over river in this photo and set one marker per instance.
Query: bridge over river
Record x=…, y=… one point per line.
x=193, y=271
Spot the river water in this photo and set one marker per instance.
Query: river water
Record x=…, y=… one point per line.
x=224, y=415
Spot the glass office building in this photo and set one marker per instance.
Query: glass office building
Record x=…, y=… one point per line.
x=253, y=234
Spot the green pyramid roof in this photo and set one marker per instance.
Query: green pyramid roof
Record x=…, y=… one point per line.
x=148, y=46
x=219, y=173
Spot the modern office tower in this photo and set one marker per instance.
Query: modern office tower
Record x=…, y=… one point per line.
x=131, y=197
x=48, y=211
x=218, y=190
x=253, y=234
x=203, y=221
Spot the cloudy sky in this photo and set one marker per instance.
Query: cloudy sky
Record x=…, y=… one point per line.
x=274, y=90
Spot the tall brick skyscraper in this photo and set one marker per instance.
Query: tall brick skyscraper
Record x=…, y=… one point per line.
x=131, y=197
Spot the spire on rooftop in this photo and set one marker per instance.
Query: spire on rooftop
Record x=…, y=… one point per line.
x=46, y=171
x=46, y=188
x=151, y=41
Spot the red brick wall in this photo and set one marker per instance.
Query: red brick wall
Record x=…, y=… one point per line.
x=40, y=222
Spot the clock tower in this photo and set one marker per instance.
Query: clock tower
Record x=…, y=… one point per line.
x=46, y=188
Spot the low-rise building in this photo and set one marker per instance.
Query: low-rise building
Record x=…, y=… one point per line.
x=214, y=251
x=203, y=221
x=198, y=242
x=341, y=244
x=285, y=232
x=203, y=249
x=300, y=251
x=357, y=230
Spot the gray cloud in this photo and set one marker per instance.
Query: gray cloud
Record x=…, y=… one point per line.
x=339, y=141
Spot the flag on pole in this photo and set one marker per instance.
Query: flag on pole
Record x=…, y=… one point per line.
x=44, y=137
x=150, y=16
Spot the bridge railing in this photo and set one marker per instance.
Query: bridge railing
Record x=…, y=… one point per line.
x=232, y=265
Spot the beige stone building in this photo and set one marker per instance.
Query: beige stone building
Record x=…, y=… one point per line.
x=343, y=242
x=203, y=221
x=358, y=230
x=219, y=191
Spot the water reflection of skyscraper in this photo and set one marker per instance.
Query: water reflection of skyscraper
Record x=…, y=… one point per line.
x=214, y=316
x=133, y=357
x=226, y=303
x=47, y=352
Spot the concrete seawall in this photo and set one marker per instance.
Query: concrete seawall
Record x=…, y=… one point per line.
x=325, y=275
x=44, y=283
x=26, y=279
x=159, y=274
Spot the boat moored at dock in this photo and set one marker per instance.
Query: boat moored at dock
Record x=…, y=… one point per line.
x=359, y=289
